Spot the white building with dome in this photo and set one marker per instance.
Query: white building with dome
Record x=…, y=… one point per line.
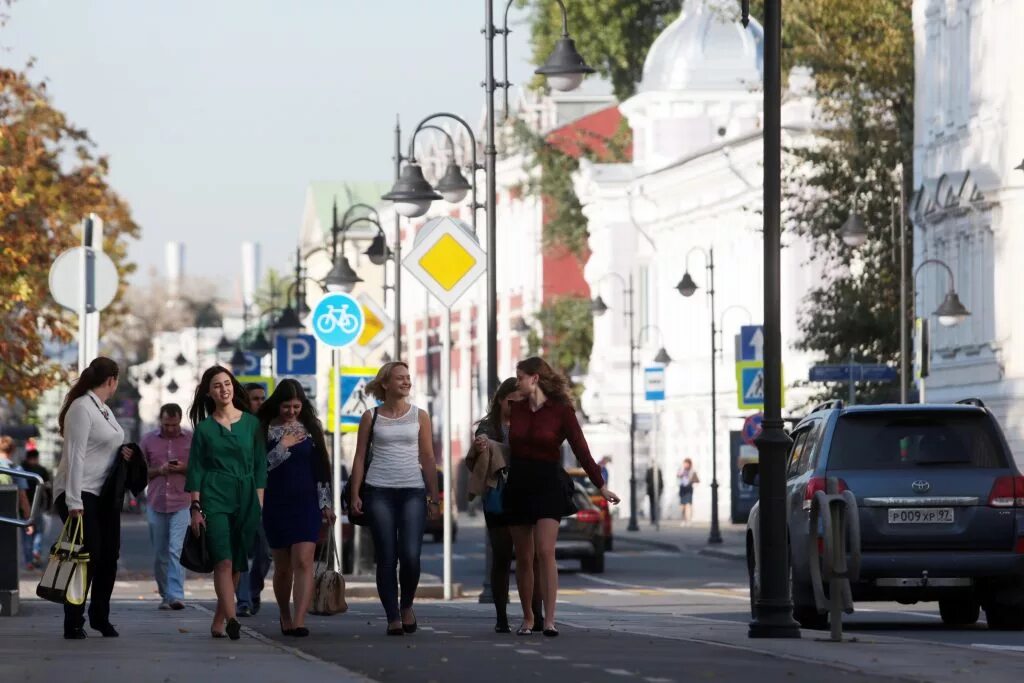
x=695, y=183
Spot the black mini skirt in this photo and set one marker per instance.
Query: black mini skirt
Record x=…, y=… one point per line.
x=537, y=490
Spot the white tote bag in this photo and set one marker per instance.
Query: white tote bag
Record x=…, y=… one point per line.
x=64, y=580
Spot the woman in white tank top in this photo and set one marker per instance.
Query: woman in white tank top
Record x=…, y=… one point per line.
x=397, y=497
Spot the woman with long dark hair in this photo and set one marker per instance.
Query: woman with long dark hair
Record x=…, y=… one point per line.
x=227, y=472
x=494, y=427
x=537, y=497
x=297, y=502
x=92, y=441
x=401, y=466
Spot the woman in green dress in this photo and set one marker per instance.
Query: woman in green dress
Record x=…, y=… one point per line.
x=227, y=472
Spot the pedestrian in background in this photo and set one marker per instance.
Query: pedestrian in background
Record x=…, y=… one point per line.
x=687, y=478
x=33, y=543
x=605, y=461
x=93, y=440
x=298, y=501
x=654, y=498
x=402, y=466
x=539, y=492
x=494, y=428
x=166, y=451
x=227, y=472
x=20, y=483
x=250, y=583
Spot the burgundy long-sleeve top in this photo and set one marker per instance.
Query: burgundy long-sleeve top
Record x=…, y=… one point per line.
x=538, y=435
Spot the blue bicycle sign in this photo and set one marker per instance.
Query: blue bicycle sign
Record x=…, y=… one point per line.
x=337, y=320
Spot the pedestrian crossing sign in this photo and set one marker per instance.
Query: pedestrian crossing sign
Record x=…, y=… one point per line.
x=750, y=385
x=354, y=399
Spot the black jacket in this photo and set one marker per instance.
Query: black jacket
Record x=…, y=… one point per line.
x=130, y=475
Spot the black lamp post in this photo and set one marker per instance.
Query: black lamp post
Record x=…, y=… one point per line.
x=598, y=307
x=687, y=287
x=773, y=607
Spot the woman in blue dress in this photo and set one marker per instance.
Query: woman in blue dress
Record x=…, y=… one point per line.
x=297, y=501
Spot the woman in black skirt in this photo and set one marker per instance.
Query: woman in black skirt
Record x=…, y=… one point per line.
x=494, y=427
x=539, y=491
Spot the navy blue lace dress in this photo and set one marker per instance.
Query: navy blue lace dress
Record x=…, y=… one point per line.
x=297, y=490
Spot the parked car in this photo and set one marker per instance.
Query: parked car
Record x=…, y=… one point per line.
x=581, y=536
x=435, y=527
x=580, y=477
x=941, y=508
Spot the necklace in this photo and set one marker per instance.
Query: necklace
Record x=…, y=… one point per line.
x=103, y=409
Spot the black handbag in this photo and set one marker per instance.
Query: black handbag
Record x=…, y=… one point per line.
x=346, y=492
x=195, y=555
x=569, y=491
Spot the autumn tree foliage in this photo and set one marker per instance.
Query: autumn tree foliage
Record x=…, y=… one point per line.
x=51, y=177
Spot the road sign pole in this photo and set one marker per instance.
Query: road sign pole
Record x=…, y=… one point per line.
x=339, y=537
x=446, y=451
x=86, y=296
x=853, y=383
x=715, y=534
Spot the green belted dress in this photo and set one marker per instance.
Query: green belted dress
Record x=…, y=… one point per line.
x=226, y=467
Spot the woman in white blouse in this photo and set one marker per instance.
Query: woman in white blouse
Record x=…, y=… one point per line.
x=92, y=438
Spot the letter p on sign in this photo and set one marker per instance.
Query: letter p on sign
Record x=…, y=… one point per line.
x=297, y=355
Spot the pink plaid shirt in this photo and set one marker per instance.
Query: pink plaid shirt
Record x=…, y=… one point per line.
x=167, y=494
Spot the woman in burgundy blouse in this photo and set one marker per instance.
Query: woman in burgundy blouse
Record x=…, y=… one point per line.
x=539, y=492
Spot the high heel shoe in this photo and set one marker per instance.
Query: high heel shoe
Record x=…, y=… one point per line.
x=234, y=629
x=409, y=628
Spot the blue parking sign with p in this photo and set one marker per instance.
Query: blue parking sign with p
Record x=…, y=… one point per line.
x=338, y=320
x=296, y=355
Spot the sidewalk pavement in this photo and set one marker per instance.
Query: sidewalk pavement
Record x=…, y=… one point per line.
x=692, y=538
x=162, y=647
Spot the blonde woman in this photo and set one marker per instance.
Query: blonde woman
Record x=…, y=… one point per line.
x=401, y=489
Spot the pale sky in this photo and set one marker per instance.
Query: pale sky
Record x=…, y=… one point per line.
x=217, y=113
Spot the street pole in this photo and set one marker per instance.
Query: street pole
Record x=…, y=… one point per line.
x=336, y=459
x=904, y=318
x=773, y=608
x=853, y=383
x=446, y=451
x=398, y=247
x=86, y=296
x=633, y=526
x=715, y=535
x=490, y=163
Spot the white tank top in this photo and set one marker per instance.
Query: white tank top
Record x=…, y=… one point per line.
x=396, y=452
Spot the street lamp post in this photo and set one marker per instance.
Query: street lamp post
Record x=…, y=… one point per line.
x=773, y=607
x=687, y=287
x=598, y=307
x=950, y=312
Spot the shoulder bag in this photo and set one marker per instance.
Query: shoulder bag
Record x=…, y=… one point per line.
x=64, y=580
x=346, y=492
x=328, y=583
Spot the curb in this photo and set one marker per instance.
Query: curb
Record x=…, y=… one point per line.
x=722, y=554
x=656, y=545
x=430, y=591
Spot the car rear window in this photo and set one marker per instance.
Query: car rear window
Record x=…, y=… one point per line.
x=869, y=441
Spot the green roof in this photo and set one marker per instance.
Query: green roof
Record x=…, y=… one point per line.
x=347, y=193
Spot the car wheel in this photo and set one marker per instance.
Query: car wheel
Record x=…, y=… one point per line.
x=593, y=565
x=1005, y=617
x=961, y=612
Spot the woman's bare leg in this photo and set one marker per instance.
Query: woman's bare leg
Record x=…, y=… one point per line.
x=224, y=581
x=302, y=579
x=522, y=539
x=545, y=536
x=283, y=584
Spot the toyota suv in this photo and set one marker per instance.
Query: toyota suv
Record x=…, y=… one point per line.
x=941, y=507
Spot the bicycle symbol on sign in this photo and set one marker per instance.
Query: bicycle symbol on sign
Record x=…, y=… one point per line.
x=337, y=317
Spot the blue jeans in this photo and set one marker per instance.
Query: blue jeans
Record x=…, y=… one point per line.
x=397, y=520
x=167, y=533
x=250, y=583
x=32, y=546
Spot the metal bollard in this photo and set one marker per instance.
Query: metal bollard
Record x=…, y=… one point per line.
x=10, y=530
x=836, y=521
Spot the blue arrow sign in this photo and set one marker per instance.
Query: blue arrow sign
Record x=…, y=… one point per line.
x=878, y=373
x=338, y=320
x=752, y=342
x=829, y=373
x=860, y=373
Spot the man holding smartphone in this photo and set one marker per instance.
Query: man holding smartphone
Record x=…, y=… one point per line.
x=166, y=450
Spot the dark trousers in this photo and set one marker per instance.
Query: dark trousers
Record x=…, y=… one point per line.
x=250, y=583
x=101, y=527
x=397, y=520
x=502, y=554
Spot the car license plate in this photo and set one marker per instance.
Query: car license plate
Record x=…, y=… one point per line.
x=920, y=515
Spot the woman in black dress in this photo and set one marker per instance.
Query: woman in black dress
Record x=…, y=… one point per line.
x=494, y=427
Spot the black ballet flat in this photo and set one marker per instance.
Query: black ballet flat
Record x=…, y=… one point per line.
x=551, y=632
x=286, y=631
x=523, y=631
x=409, y=628
x=107, y=630
x=502, y=627
x=217, y=634
x=234, y=629
x=299, y=632
x=400, y=631
x=75, y=634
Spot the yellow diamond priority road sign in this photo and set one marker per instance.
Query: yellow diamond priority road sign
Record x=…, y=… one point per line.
x=377, y=326
x=446, y=258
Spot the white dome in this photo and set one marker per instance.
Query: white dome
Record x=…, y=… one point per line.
x=706, y=48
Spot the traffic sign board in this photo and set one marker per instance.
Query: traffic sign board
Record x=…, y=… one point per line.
x=337, y=319
x=752, y=428
x=296, y=355
x=856, y=372
x=378, y=327
x=252, y=364
x=829, y=373
x=752, y=342
x=307, y=382
x=354, y=399
x=266, y=382
x=654, y=383
x=66, y=278
x=750, y=385
x=446, y=258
